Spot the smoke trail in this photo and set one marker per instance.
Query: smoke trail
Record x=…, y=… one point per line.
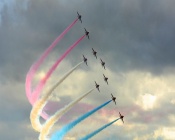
x=98, y=130
x=39, y=105
x=36, y=65
x=52, y=120
x=40, y=86
x=60, y=134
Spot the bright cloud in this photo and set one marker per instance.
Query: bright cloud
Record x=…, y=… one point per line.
x=146, y=101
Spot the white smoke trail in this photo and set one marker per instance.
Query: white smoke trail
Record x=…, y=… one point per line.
x=52, y=120
x=39, y=105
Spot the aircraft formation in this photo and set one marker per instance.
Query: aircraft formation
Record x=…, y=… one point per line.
x=97, y=86
x=40, y=103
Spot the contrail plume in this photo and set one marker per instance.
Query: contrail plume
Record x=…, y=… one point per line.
x=40, y=86
x=52, y=120
x=60, y=134
x=36, y=65
x=98, y=130
x=39, y=105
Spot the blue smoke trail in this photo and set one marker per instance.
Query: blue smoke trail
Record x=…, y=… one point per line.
x=98, y=130
x=60, y=134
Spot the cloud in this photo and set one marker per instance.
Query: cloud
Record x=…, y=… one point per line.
x=135, y=91
x=135, y=38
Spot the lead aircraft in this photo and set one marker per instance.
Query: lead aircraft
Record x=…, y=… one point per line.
x=79, y=17
x=85, y=60
x=105, y=78
x=113, y=98
x=97, y=86
x=102, y=63
x=121, y=117
x=86, y=33
x=94, y=53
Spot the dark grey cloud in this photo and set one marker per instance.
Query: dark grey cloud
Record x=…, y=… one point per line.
x=15, y=111
x=134, y=34
x=139, y=33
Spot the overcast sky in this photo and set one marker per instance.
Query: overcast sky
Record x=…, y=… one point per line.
x=134, y=37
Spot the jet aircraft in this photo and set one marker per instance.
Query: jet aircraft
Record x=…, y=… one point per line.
x=121, y=117
x=105, y=78
x=113, y=98
x=85, y=60
x=94, y=53
x=97, y=86
x=102, y=63
x=86, y=33
x=79, y=17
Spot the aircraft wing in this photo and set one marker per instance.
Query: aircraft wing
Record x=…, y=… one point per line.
x=88, y=36
x=94, y=54
x=104, y=67
x=98, y=89
x=115, y=102
x=122, y=120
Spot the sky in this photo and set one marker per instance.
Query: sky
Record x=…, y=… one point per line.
x=134, y=37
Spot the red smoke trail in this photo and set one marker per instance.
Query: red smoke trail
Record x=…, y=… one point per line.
x=36, y=65
x=41, y=84
x=39, y=104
